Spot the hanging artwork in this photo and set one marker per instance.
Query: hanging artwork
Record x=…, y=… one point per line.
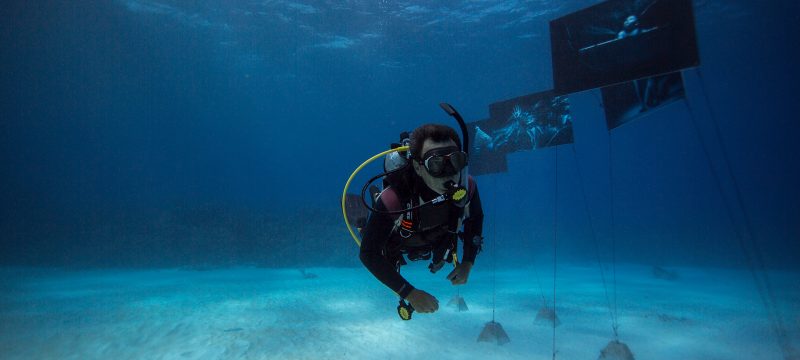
x=483, y=159
x=622, y=40
x=627, y=101
x=524, y=123
x=531, y=122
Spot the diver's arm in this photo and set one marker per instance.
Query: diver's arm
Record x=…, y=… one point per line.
x=376, y=234
x=473, y=226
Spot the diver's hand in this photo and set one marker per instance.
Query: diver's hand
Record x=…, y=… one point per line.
x=422, y=301
x=460, y=274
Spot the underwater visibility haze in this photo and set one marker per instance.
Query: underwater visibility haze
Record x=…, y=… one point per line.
x=172, y=174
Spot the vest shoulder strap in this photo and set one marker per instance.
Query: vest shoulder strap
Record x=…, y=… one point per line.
x=471, y=187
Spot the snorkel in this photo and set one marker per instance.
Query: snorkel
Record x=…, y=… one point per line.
x=459, y=191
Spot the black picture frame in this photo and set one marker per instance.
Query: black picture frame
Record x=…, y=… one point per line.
x=600, y=45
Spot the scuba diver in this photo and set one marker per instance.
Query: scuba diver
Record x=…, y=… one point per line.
x=428, y=201
x=630, y=27
x=429, y=232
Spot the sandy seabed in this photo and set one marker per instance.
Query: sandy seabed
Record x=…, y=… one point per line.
x=344, y=313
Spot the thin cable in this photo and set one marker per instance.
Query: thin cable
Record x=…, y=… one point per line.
x=761, y=280
x=512, y=190
x=598, y=98
x=534, y=241
x=555, y=244
x=614, y=313
x=494, y=257
x=538, y=278
x=594, y=239
x=729, y=212
x=615, y=324
x=737, y=190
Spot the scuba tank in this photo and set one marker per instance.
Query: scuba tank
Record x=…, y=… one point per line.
x=395, y=164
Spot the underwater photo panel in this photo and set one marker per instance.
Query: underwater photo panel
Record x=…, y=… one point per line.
x=630, y=100
x=528, y=122
x=622, y=40
x=483, y=159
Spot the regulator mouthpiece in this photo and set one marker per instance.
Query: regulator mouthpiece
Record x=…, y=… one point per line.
x=455, y=191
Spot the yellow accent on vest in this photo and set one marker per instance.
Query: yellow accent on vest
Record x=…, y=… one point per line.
x=459, y=194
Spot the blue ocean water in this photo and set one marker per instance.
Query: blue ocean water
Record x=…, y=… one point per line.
x=214, y=134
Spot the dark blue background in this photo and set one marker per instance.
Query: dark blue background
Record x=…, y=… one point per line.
x=205, y=135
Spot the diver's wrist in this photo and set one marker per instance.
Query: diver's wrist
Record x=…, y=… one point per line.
x=405, y=291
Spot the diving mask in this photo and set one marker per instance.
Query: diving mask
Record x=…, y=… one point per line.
x=444, y=162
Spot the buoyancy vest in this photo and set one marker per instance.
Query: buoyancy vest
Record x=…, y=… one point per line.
x=430, y=232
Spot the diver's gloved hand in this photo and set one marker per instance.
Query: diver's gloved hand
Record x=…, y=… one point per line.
x=422, y=301
x=460, y=274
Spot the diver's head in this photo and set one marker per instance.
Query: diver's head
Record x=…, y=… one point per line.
x=631, y=22
x=437, y=156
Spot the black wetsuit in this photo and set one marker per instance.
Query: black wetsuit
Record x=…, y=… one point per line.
x=380, y=246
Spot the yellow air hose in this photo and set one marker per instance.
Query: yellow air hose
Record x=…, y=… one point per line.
x=353, y=175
